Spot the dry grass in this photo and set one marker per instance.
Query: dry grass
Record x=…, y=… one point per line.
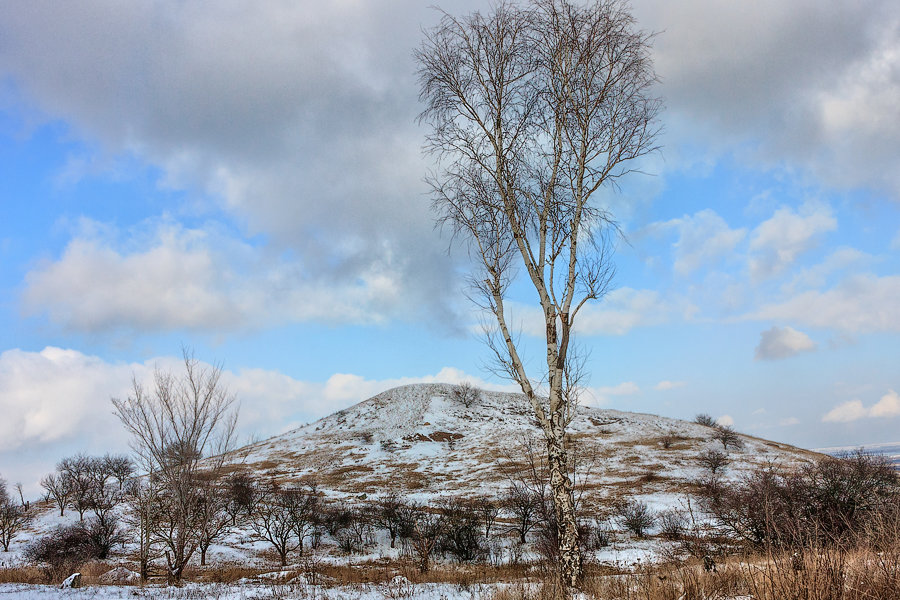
x=22, y=575
x=824, y=574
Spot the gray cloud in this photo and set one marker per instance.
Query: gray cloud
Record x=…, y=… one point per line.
x=802, y=84
x=297, y=118
x=782, y=342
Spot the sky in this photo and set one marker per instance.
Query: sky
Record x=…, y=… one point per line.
x=246, y=180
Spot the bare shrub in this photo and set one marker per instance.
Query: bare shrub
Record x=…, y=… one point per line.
x=829, y=501
x=636, y=517
x=712, y=460
x=462, y=531
x=672, y=523
x=466, y=393
x=63, y=550
x=524, y=506
x=728, y=437
x=705, y=420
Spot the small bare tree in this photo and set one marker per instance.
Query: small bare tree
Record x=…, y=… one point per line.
x=181, y=430
x=57, y=489
x=466, y=393
x=387, y=513
x=728, y=437
x=143, y=517
x=532, y=110
x=712, y=460
x=273, y=521
x=427, y=529
x=13, y=517
x=705, y=420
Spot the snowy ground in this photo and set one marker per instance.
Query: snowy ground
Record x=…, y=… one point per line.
x=392, y=591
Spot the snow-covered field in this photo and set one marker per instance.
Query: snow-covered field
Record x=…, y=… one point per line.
x=390, y=591
x=422, y=442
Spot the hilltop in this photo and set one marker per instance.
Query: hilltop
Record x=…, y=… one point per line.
x=423, y=440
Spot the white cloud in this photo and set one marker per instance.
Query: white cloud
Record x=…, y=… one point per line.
x=858, y=304
x=165, y=277
x=617, y=313
x=57, y=402
x=789, y=422
x=778, y=241
x=887, y=406
x=626, y=308
x=725, y=421
x=853, y=410
x=838, y=261
x=297, y=121
x=782, y=342
x=703, y=238
x=667, y=385
x=602, y=395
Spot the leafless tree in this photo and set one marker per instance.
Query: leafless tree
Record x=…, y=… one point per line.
x=488, y=510
x=214, y=521
x=705, y=420
x=387, y=513
x=143, y=516
x=728, y=437
x=534, y=109
x=273, y=521
x=57, y=489
x=13, y=517
x=524, y=506
x=77, y=473
x=427, y=528
x=712, y=460
x=181, y=429
x=466, y=393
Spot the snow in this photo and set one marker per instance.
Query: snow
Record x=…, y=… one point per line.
x=418, y=439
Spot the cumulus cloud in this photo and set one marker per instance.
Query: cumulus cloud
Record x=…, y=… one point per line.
x=853, y=410
x=795, y=83
x=602, y=395
x=56, y=402
x=298, y=121
x=725, y=421
x=626, y=308
x=666, y=385
x=782, y=342
x=617, y=313
x=703, y=238
x=858, y=304
x=778, y=241
x=167, y=277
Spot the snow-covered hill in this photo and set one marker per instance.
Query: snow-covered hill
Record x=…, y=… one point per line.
x=424, y=441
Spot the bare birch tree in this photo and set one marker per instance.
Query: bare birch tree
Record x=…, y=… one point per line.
x=181, y=430
x=533, y=109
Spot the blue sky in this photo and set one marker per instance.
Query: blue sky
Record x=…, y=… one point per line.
x=246, y=179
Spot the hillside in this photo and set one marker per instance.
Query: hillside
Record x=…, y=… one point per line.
x=424, y=441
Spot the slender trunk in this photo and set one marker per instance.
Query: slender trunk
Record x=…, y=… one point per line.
x=203, y=555
x=564, y=507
